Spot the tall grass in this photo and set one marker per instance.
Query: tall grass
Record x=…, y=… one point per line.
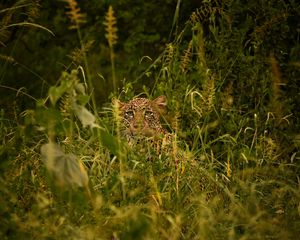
x=229, y=175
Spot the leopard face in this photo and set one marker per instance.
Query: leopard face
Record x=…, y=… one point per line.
x=141, y=117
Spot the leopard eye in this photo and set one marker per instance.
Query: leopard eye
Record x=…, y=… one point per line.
x=149, y=114
x=129, y=114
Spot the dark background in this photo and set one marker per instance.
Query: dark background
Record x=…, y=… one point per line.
x=33, y=59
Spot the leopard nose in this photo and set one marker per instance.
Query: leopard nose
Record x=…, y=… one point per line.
x=136, y=125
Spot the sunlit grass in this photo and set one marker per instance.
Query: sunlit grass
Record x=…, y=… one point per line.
x=232, y=173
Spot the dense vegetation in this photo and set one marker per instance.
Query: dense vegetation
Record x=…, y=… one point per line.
x=230, y=71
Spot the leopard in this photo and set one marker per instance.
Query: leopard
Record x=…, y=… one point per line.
x=140, y=117
x=142, y=128
x=141, y=123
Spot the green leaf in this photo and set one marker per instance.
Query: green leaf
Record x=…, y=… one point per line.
x=67, y=169
x=85, y=116
x=80, y=88
x=48, y=117
x=83, y=99
x=111, y=142
x=54, y=94
x=66, y=82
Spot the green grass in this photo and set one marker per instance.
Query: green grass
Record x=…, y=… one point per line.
x=66, y=172
x=234, y=185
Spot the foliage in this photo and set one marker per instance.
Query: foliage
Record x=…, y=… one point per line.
x=230, y=71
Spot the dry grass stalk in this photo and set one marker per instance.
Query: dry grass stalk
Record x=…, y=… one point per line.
x=111, y=29
x=276, y=104
x=186, y=58
x=74, y=14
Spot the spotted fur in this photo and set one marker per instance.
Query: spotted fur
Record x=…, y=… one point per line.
x=141, y=126
x=141, y=118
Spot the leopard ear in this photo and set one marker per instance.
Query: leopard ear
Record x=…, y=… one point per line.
x=116, y=102
x=160, y=103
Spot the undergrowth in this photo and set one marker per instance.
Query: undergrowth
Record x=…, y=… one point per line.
x=67, y=173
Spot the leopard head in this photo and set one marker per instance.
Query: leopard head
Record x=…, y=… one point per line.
x=141, y=116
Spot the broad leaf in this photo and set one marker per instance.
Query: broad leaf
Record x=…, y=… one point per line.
x=67, y=169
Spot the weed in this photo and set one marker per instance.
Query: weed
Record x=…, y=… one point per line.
x=232, y=171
